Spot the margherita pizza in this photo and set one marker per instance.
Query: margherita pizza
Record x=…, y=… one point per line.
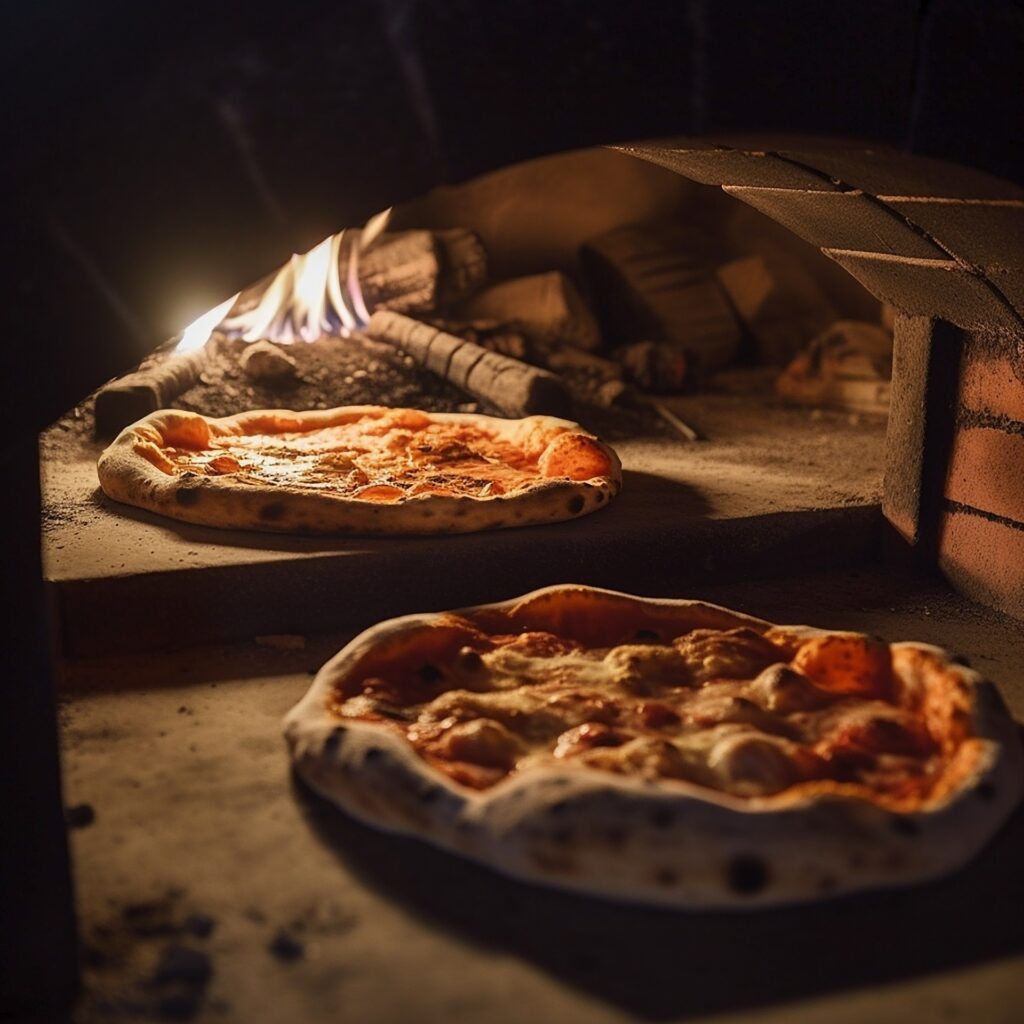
x=360, y=469
x=670, y=752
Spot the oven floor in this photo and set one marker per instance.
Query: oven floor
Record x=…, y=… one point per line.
x=212, y=887
x=771, y=488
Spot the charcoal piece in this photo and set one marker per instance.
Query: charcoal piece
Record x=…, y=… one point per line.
x=653, y=366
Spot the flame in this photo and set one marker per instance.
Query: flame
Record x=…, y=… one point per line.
x=198, y=332
x=315, y=294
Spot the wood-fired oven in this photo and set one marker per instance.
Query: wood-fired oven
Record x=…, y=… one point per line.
x=165, y=164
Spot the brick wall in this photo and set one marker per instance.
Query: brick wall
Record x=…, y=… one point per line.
x=981, y=530
x=944, y=244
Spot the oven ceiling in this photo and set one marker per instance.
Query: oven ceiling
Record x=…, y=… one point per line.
x=167, y=155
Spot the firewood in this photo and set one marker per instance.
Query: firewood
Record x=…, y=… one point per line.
x=507, y=385
x=781, y=305
x=154, y=385
x=420, y=271
x=548, y=308
x=506, y=338
x=657, y=283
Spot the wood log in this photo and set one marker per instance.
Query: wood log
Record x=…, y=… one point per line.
x=406, y=271
x=505, y=385
x=780, y=303
x=154, y=385
x=508, y=339
x=420, y=271
x=657, y=283
x=548, y=307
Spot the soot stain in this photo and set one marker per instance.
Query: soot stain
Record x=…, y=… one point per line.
x=746, y=874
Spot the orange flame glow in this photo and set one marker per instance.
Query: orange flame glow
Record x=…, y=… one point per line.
x=315, y=294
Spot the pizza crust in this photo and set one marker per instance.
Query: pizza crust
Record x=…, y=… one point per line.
x=133, y=471
x=677, y=845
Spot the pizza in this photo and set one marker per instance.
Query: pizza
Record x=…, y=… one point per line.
x=662, y=751
x=359, y=469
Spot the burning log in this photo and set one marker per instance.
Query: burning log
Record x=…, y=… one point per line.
x=511, y=387
x=152, y=386
x=421, y=271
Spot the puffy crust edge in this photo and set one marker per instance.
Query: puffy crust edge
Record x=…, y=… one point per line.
x=127, y=477
x=635, y=840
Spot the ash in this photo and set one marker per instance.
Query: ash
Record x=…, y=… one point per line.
x=333, y=371
x=329, y=372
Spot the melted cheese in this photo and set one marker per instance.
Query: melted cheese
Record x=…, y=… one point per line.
x=387, y=457
x=723, y=709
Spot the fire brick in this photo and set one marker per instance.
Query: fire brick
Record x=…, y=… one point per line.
x=984, y=559
x=839, y=220
x=731, y=167
x=989, y=384
x=889, y=172
x=984, y=233
x=987, y=234
x=937, y=288
x=985, y=471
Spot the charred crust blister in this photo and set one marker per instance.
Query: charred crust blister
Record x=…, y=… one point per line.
x=558, y=825
x=746, y=874
x=576, y=504
x=429, y=673
x=187, y=496
x=334, y=741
